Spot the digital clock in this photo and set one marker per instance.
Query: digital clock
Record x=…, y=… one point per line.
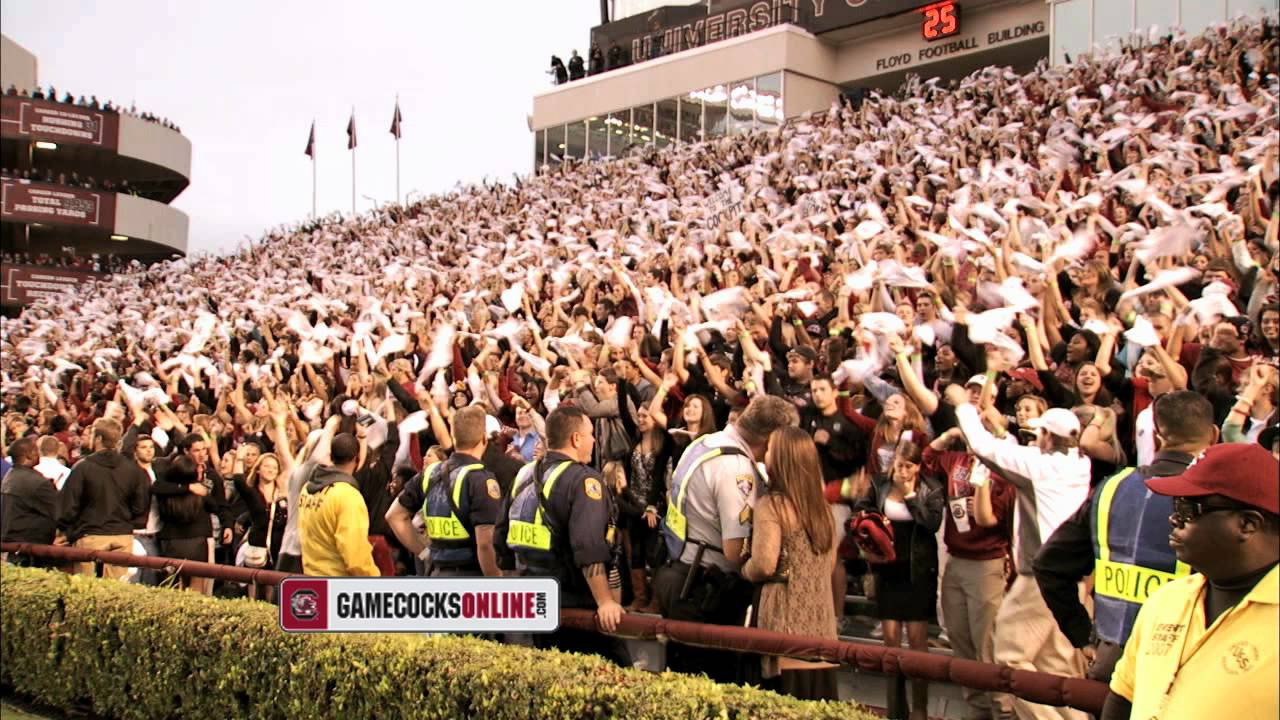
x=941, y=20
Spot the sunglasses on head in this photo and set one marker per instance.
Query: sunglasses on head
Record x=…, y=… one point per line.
x=1189, y=510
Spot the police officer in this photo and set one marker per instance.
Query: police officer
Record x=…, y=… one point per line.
x=560, y=522
x=1121, y=535
x=707, y=524
x=460, y=501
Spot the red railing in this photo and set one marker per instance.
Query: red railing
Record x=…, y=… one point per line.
x=1044, y=688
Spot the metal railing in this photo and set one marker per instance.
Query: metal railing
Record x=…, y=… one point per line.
x=1036, y=687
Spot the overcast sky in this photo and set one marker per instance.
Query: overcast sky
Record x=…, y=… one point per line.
x=245, y=79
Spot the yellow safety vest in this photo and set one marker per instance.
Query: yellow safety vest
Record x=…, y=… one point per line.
x=440, y=527
x=523, y=534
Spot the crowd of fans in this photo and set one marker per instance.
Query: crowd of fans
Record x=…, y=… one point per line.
x=92, y=103
x=73, y=180
x=971, y=294
x=67, y=258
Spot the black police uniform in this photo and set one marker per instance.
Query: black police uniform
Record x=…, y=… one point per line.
x=479, y=503
x=581, y=515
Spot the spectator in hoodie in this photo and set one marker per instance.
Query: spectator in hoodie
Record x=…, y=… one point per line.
x=333, y=520
x=105, y=498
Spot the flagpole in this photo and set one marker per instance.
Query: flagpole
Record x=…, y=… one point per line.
x=353, y=182
x=397, y=121
x=313, y=187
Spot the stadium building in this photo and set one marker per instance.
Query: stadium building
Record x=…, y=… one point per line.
x=682, y=73
x=146, y=164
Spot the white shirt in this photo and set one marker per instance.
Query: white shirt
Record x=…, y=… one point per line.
x=54, y=470
x=153, y=517
x=1051, y=486
x=1144, y=430
x=719, y=492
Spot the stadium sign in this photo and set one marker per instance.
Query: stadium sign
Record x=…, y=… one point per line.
x=29, y=119
x=23, y=201
x=23, y=284
x=930, y=52
x=673, y=29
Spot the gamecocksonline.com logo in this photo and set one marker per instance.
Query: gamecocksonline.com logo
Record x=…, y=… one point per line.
x=305, y=604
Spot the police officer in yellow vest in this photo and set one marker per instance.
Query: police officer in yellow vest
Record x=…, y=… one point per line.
x=559, y=521
x=1121, y=536
x=707, y=524
x=460, y=501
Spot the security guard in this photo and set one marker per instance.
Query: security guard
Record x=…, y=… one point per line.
x=1121, y=535
x=707, y=524
x=460, y=501
x=559, y=522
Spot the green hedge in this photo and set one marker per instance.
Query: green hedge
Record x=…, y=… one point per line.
x=132, y=652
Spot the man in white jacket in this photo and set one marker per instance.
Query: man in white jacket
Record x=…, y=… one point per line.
x=1052, y=479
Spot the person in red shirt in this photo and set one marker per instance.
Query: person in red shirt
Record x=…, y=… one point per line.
x=977, y=528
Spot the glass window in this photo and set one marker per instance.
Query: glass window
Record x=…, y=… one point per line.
x=575, y=140
x=1161, y=13
x=1070, y=30
x=666, y=128
x=691, y=118
x=597, y=138
x=619, y=132
x=642, y=125
x=769, y=100
x=715, y=111
x=555, y=145
x=1111, y=21
x=539, y=148
x=742, y=106
x=1198, y=15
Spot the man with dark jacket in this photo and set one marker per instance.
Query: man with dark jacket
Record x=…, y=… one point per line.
x=105, y=498
x=28, y=501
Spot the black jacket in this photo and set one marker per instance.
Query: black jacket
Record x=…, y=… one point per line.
x=105, y=494
x=214, y=503
x=28, y=507
x=926, y=507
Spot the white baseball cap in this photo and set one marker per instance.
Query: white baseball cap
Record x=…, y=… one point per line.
x=979, y=380
x=1058, y=421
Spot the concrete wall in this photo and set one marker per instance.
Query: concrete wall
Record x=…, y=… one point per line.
x=155, y=144
x=150, y=220
x=741, y=57
x=801, y=94
x=17, y=65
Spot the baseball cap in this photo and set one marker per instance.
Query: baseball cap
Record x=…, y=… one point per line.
x=491, y=425
x=979, y=380
x=803, y=351
x=1058, y=421
x=1244, y=472
x=1027, y=375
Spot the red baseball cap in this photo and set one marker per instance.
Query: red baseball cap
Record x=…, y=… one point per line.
x=1244, y=472
x=1027, y=375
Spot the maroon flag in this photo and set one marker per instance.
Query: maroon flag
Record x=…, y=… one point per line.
x=395, y=121
x=311, y=142
x=351, y=132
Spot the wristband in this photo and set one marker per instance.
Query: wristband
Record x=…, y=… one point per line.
x=903, y=356
x=833, y=332
x=916, y=356
x=991, y=375
x=798, y=323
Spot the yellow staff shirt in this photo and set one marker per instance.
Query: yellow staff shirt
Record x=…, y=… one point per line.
x=1228, y=670
x=334, y=527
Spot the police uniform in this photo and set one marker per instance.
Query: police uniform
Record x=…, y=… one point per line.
x=454, y=497
x=710, y=499
x=1121, y=536
x=558, y=519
